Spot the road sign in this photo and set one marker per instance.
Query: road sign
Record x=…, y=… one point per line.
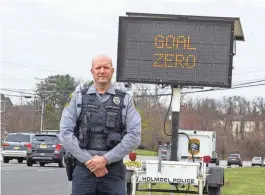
x=175, y=51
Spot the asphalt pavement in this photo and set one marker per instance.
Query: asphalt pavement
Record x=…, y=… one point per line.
x=23, y=180
x=49, y=180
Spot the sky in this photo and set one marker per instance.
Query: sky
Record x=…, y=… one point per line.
x=40, y=38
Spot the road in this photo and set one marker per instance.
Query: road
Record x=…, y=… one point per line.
x=36, y=180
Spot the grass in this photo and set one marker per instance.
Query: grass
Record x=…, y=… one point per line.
x=238, y=181
x=146, y=152
x=245, y=181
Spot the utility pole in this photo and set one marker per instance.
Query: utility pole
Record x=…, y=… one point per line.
x=21, y=99
x=3, y=110
x=42, y=114
x=43, y=95
x=33, y=112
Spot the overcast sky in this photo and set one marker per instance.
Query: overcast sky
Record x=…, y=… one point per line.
x=44, y=37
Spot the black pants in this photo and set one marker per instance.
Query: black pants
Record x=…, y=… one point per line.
x=86, y=183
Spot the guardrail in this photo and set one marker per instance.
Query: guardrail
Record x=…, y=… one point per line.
x=49, y=131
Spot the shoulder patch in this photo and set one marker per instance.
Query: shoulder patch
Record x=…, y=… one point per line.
x=133, y=103
x=68, y=100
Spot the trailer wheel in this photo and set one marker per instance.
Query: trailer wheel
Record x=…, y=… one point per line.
x=214, y=191
x=129, y=188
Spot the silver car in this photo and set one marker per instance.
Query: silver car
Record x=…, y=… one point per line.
x=15, y=146
x=256, y=161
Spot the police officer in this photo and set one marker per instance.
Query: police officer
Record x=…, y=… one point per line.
x=109, y=128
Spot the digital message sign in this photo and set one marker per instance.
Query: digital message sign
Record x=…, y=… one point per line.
x=187, y=52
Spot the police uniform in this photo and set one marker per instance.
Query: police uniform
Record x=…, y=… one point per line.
x=109, y=126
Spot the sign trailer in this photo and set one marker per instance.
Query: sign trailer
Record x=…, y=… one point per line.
x=180, y=51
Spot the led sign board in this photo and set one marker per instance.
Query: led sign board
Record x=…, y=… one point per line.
x=187, y=52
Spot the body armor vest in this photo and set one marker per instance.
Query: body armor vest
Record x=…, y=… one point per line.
x=100, y=125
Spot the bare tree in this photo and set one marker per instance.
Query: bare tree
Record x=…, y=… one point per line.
x=153, y=112
x=235, y=120
x=22, y=119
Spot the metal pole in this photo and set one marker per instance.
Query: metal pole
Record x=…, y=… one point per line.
x=33, y=120
x=42, y=115
x=4, y=111
x=175, y=122
x=33, y=113
x=21, y=99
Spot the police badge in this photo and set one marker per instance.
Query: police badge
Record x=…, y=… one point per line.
x=116, y=100
x=194, y=146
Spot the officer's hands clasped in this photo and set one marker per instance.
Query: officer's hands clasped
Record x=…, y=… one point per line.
x=101, y=172
x=97, y=165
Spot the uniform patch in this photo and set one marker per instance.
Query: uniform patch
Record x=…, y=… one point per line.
x=116, y=100
x=68, y=100
x=194, y=146
x=133, y=103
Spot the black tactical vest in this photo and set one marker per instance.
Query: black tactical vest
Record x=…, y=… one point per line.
x=100, y=125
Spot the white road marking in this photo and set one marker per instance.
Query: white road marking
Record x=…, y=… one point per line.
x=13, y=168
x=46, y=169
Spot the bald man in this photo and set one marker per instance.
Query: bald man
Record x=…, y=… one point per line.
x=99, y=127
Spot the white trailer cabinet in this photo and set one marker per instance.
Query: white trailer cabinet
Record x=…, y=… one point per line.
x=203, y=143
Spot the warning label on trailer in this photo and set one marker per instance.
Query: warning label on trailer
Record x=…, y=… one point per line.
x=194, y=146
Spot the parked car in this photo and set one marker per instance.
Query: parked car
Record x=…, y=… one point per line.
x=215, y=159
x=46, y=148
x=234, y=159
x=256, y=161
x=15, y=146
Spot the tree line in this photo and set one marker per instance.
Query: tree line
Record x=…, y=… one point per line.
x=238, y=122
